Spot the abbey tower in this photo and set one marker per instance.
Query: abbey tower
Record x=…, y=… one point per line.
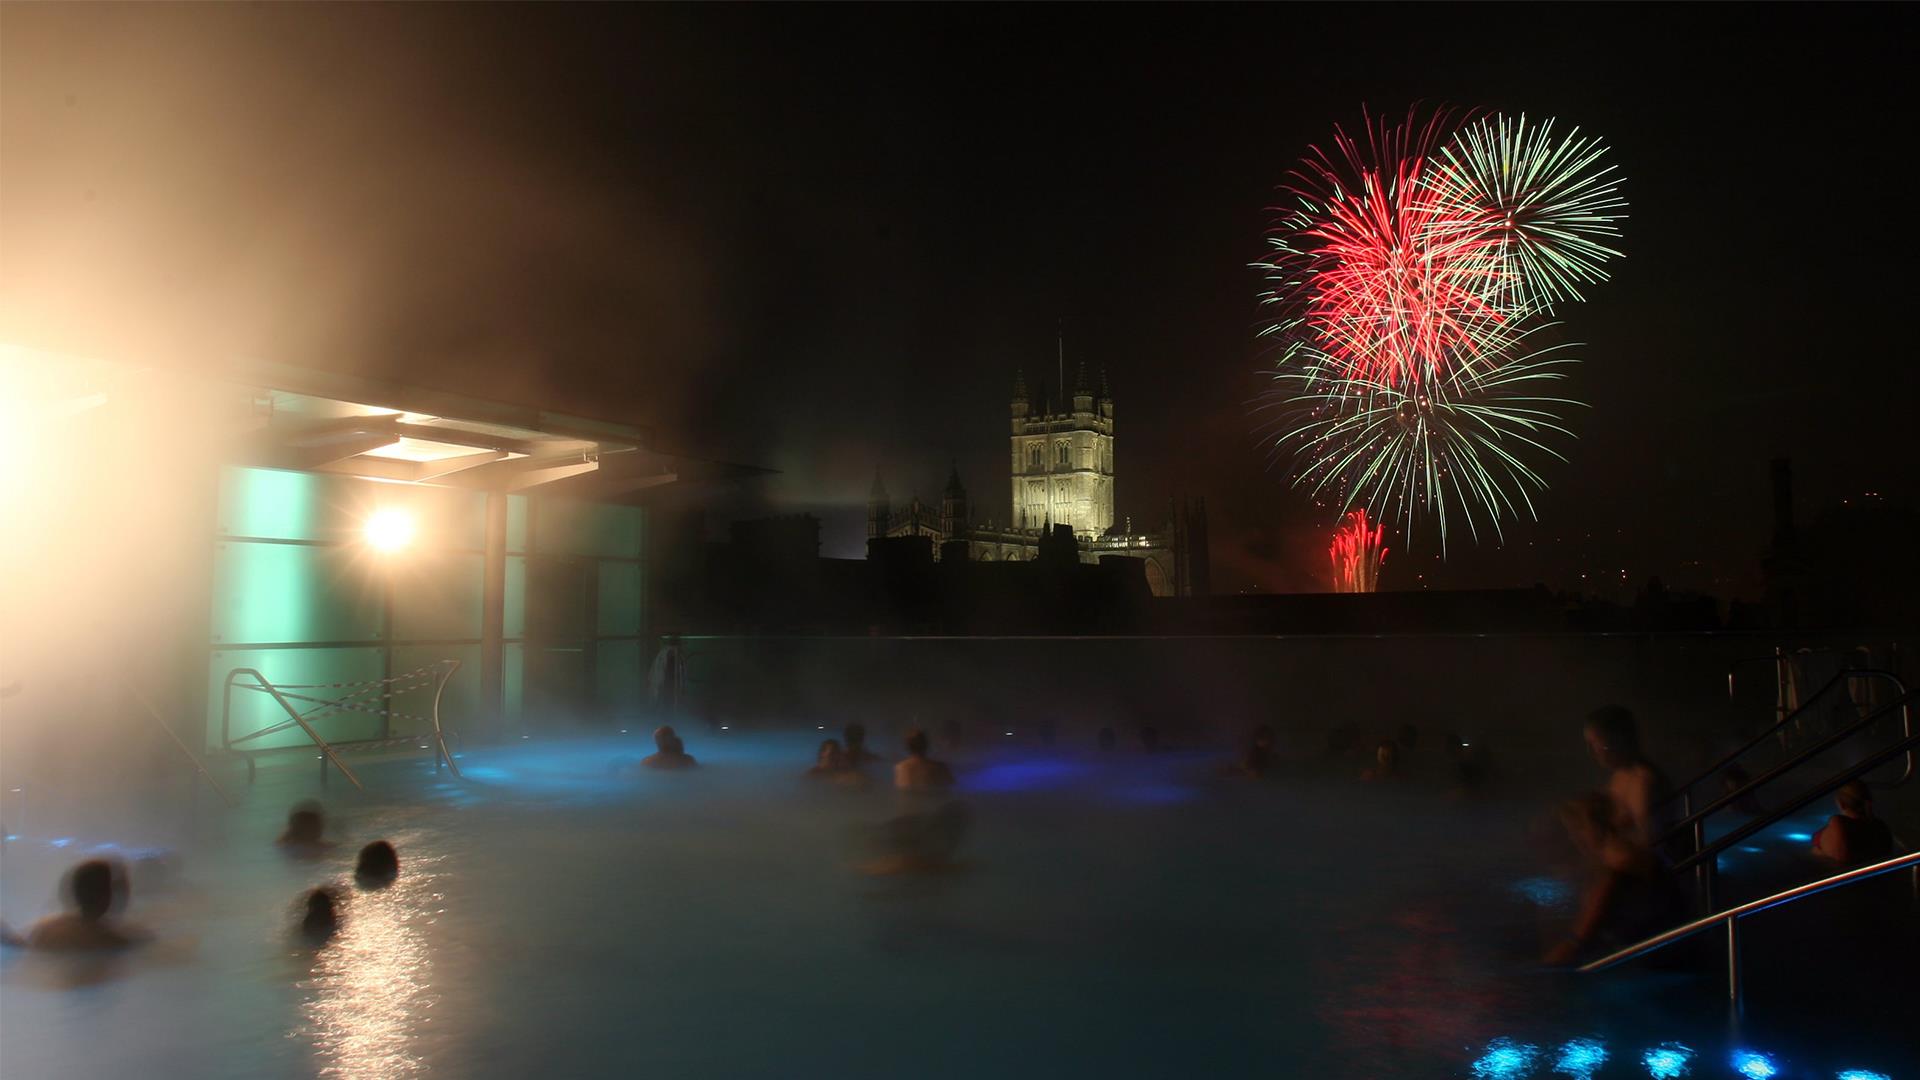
x=1063, y=461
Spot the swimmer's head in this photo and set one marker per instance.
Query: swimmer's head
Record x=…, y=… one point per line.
x=665, y=740
x=1613, y=735
x=378, y=864
x=92, y=887
x=305, y=824
x=917, y=743
x=856, y=736
x=322, y=916
x=1854, y=799
x=1387, y=753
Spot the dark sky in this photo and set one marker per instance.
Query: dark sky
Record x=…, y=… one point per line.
x=823, y=239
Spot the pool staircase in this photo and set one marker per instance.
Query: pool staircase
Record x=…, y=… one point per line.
x=1807, y=735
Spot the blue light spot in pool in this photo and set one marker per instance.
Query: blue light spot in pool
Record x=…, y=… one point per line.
x=1155, y=794
x=1505, y=1060
x=1751, y=850
x=1544, y=892
x=1754, y=1065
x=1580, y=1057
x=1024, y=776
x=487, y=772
x=61, y=842
x=1799, y=837
x=1861, y=1074
x=1667, y=1061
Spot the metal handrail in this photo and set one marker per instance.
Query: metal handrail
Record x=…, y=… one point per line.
x=443, y=675
x=295, y=715
x=1829, y=742
x=1818, y=791
x=1906, y=718
x=1732, y=916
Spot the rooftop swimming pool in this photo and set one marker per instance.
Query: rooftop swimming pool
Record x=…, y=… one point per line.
x=1123, y=914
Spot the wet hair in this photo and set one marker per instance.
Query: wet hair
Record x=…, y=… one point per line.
x=378, y=863
x=1854, y=797
x=91, y=884
x=1616, y=727
x=666, y=739
x=855, y=734
x=305, y=823
x=917, y=743
x=830, y=748
x=322, y=917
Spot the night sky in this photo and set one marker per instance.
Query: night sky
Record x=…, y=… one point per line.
x=823, y=240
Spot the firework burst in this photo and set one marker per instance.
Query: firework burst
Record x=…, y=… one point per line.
x=1410, y=277
x=1357, y=552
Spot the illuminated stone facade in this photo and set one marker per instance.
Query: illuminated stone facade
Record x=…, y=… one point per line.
x=1061, y=471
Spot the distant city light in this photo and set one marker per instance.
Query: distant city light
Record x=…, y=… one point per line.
x=389, y=529
x=1668, y=1061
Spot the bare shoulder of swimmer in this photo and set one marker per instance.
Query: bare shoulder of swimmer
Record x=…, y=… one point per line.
x=71, y=933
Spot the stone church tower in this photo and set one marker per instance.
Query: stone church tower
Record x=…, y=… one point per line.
x=1063, y=460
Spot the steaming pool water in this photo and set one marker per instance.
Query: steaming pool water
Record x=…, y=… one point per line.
x=1117, y=915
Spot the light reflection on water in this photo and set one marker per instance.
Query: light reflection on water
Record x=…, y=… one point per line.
x=371, y=987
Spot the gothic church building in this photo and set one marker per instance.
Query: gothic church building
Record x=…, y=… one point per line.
x=1062, y=473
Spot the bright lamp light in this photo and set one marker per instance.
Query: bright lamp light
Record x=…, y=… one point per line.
x=389, y=529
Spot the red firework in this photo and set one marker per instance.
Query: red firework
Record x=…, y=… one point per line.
x=1358, y=553
x=1398, y=293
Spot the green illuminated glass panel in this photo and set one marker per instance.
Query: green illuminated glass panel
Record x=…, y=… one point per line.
x=517, y=523
x=437, y=597
x=619, y=680
x=619, y=607
x=513, y=680
x=566, y=527
x=272, y=593
x=514, y=603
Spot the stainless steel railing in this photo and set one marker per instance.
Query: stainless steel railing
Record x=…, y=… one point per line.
x=1732, y=916
x=440, y=673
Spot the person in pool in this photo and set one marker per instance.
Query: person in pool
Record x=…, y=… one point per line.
x=1257, y=759
x=1386, y=762
x=918, y=772
x=832, y=766
x=669, y=751
x=322, y=917
x=1854, y=837
x=1636, y=788
x=306, y=825
x=378, y=866
x=1629, y=894
x=856, y=750
x=92, y=888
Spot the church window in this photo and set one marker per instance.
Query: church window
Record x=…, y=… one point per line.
x=1033, y=458
x=1061, y=456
